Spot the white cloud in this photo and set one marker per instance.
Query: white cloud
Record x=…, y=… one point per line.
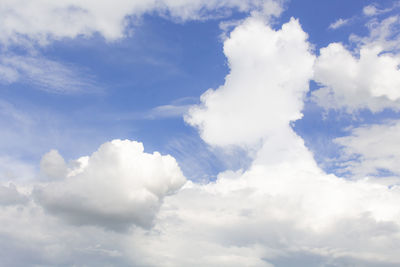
x=371, y=149
x=370, y=10
x=268, y=214
x=383, y=34
x=29, y=236
x=167, y=111
x=8, y=75
x=283, y=204
x=53, y=165
x=44, y=20
x=368, y=78
x=9, y=195
x=201, y=162
x=339, y=23
x=269, y=76
x=44, y=74
x=373, y=9
x=119, y=185
x=40, y=22
x=283, y=210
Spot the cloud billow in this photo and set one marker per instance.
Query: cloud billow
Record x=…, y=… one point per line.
x=44, y=21
x=115, y=188
x=264, y=91
x=283, y=210
x=283, y=203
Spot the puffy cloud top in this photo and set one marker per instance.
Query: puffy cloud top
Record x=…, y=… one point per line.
x=372, y=81
x=270, y=72
x=282, y=211
x=119, y=185
x=366, y=78
x=9, y=195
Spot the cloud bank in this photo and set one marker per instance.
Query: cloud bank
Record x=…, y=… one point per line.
x=122, y=206
x=284, y=204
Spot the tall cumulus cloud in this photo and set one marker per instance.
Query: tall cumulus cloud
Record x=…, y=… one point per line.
x=281, y=211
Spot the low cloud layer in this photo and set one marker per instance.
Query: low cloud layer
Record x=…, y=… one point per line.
x=122, y=206
x=9, y=195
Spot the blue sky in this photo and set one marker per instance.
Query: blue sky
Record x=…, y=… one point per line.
x=161, y=63
x=323, y=106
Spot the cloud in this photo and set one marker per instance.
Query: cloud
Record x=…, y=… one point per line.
x=283, y=204
x=168, y=111
x=268, y=214
x=372, y=150
x=370, y=10
x=175, y=109
x=201, y=162
x=9, y=195
x=282, y=210
x=8, y=75
x=45, y=74
x=39, y=23
x=53, y=165
x=339, y=23
x=12, y=169
x=374, y=10
x=30, y=236
x=365, y=79
x=118, y=186
x=258, y=96
x=43, y=21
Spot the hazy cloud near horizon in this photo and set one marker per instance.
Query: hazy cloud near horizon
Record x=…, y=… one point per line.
x=122, y=205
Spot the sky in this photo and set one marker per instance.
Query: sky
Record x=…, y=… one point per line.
x=199, y=133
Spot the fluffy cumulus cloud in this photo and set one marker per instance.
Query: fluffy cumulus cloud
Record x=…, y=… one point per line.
x=367, y=78
x=257, y=98
x=284, y=204
x=267, y=215
x=372, y=150
x=117, y=186
x=44, y=20
x=53, y=165
x=281, y=211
